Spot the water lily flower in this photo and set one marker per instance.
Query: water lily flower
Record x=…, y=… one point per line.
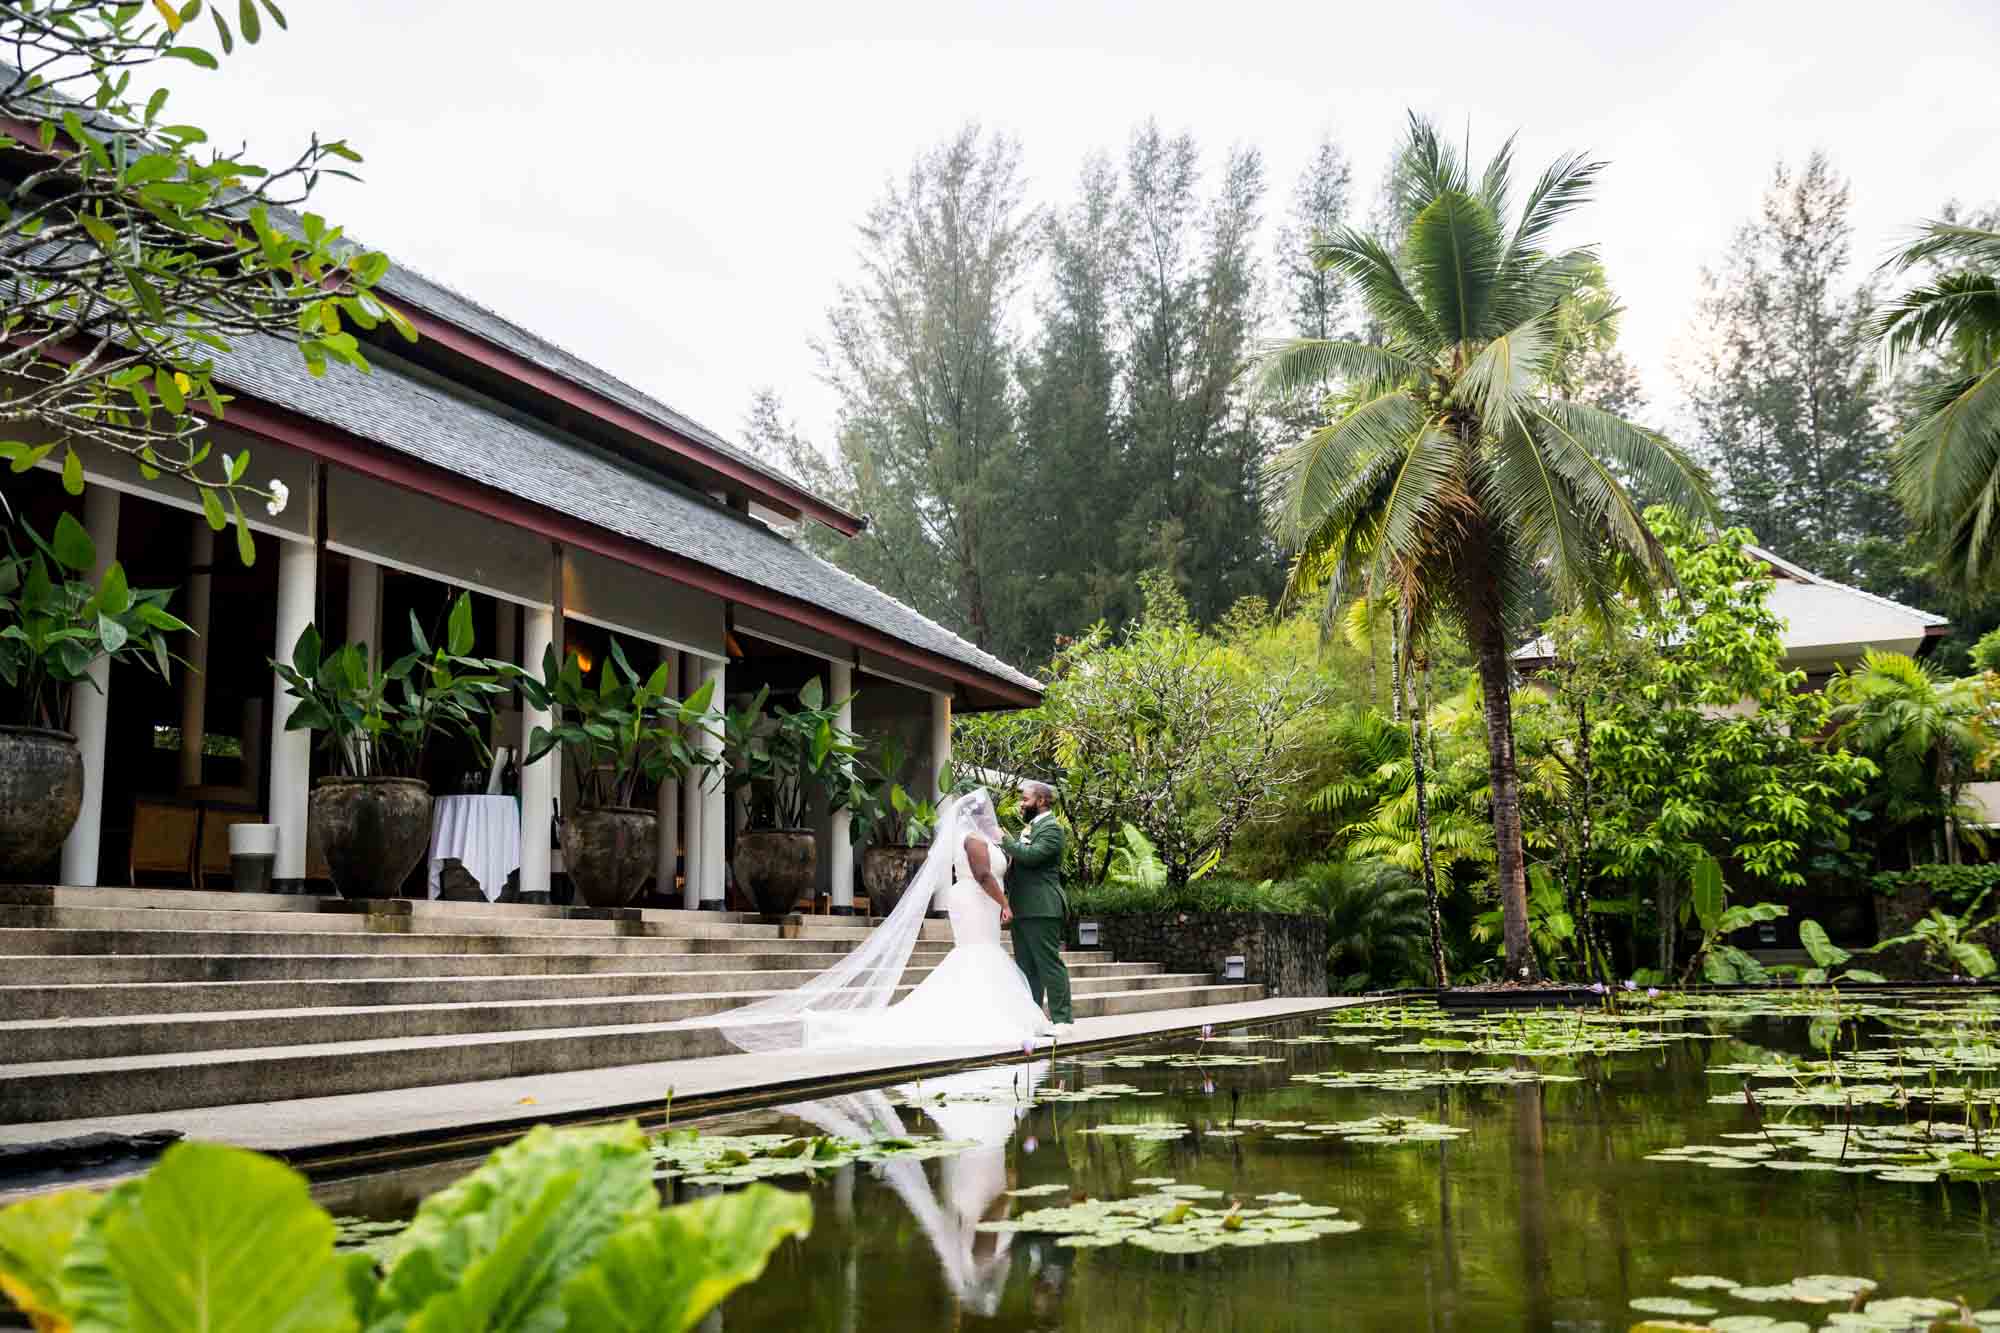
x=1028, y=1046
x=1206, y=1030
x=1631, y=984
x=1597, y=988
x=1652, y=992
x=280, y=495
x=1030, y=1143
x=1208, y=1086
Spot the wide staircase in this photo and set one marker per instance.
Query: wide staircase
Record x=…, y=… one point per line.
x=129, y=1001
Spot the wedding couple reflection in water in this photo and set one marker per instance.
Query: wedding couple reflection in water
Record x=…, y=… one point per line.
x=983, y=1107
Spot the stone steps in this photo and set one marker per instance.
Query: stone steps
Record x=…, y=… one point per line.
x=70, y=1002
x=108, y=1037
x=123, y=1001
x=136, y=1084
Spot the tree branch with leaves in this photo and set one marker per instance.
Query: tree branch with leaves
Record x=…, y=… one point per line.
x=132, y=251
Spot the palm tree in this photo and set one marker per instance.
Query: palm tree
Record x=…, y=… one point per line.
x=1948, y=464
x=1451, y=471
x=1926, y=734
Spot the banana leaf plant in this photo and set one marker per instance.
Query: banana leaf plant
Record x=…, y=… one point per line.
x=785, y=756
x=55, y=625
x=1722, y=963
x=622, y=734
x=380, y=721
x=885, y=812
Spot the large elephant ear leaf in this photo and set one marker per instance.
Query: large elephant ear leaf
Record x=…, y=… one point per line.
x=494, y=1251
x=662, y=1274
x=35, y=1238
x=218, y=1238
x=1823, y=950
x=1709, y=893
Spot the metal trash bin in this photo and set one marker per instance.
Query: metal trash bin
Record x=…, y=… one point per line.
x=253, y=856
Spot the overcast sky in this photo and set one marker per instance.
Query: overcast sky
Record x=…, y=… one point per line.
x=671, y=190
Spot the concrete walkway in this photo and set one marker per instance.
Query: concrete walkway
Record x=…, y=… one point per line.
x=361, y=1131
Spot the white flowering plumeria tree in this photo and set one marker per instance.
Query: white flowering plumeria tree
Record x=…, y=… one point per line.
x=131, y=252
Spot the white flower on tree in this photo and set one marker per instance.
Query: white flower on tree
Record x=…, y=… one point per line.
x=280, y=494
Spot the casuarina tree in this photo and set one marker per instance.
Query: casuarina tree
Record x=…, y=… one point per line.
x=1450, y=470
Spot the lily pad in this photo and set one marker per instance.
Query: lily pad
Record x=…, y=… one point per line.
x=1672, y=1305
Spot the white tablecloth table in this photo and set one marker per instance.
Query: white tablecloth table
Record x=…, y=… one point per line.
x=483, y=833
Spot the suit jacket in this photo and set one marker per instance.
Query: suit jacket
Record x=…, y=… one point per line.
x=1034, y=870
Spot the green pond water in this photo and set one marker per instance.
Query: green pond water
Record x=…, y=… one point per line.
x=1564, y=1168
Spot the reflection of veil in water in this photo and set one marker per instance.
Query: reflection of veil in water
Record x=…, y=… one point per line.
x=969, y=1181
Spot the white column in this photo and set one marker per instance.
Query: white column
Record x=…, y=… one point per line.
x=715, y=801
x=194, y=676
x=291, y=751
x=364, y=605
x=694, y=811
x=668, y=809
x=840, y=839
x=940, y=744
x=364, y=621
x=538, y=780
x=90, y=704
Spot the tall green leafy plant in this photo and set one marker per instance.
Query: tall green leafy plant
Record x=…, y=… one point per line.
x=1705, y=747
x=785, y=756
x=1451, y=467
x=55, y=625
x=620, y=733
x=559, y=1229
x=381, y=721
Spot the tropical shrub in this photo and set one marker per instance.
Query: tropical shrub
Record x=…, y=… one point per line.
x=382, y=720
x=559, y=1229
x=55, y=625
x=1161, y=727
x=1377, y=924
x=1928, y=736
x=1946, y=940
x=1952, y=885
x=619, y=733
x=784, y=756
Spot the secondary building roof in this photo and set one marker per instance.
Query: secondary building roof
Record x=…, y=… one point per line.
x=1827, y=624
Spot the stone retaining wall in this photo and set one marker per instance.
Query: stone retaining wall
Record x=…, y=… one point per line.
x=1285, y=954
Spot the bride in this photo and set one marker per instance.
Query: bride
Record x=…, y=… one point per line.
x=974, y=997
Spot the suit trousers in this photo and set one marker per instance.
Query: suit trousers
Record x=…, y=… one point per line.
x=1038, y=944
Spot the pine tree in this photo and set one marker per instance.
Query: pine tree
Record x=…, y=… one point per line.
x=1784, y=390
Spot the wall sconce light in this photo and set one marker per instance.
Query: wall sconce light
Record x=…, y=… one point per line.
x=1766, y=933
x=1232, y=967
x=1086, y=934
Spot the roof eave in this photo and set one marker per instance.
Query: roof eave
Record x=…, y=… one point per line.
x=769, y=489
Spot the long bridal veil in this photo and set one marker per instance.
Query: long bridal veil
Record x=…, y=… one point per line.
x=868, y=976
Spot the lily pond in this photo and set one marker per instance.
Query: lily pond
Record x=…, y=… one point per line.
x=1774, y=1163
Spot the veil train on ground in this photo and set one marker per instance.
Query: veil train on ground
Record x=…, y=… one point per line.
x=867, y=977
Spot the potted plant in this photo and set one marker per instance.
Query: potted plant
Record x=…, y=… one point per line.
x=786, y=756
x=895, y=830
x=619, y=735
x=371, y=815
x=54, y=626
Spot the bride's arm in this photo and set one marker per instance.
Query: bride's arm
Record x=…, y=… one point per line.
x=976, y=856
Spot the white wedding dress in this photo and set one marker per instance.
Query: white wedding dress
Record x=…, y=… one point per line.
x=975, y=996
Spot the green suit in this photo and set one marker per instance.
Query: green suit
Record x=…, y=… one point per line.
x=1034, y=891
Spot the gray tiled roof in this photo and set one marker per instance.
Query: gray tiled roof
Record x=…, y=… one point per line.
x=409, y=414
x=413, y=288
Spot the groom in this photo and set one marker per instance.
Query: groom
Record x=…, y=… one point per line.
x=1034, y=893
